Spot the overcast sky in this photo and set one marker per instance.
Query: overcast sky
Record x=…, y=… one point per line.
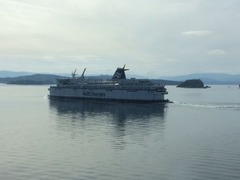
x=152, y=37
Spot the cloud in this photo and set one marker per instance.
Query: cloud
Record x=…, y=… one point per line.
x=196, y=33
x=172, y=60
x=160, y=36
x=216, y=52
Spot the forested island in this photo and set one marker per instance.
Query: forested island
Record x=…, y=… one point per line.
x=192, y=83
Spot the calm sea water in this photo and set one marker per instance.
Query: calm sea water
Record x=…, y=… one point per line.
x=196, y=137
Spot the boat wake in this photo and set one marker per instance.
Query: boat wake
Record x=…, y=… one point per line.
x=209, y=105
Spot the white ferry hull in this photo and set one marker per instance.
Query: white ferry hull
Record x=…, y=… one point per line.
x=108, y=95
x=117, y=89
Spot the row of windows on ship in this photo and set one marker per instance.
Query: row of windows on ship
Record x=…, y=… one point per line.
x=110, y=88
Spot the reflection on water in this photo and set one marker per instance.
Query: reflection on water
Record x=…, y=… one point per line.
x=120, y=111
x=117, y=120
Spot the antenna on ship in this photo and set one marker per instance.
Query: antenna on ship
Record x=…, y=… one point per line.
x=124, y=68
x=74, y=74
x=82, y=76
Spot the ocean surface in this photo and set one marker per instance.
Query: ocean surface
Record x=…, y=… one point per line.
x=195, y=137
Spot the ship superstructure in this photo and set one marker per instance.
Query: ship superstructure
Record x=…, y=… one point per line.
x=119, y=88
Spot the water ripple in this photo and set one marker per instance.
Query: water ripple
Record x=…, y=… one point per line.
x=209, y=105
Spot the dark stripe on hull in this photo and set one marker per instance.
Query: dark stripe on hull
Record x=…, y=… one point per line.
x=112, y=100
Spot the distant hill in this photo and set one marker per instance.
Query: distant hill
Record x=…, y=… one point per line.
x=39, y=79
x=208, y=78
x=4, y=74
x=165, y=82
x=36, y=79
x=12, y=77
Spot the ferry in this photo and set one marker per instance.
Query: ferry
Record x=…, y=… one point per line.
x=118, y=88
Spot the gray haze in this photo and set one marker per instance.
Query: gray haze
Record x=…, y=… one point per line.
x=153, y=37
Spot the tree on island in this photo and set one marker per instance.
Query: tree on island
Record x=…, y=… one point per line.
x=192, y=83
